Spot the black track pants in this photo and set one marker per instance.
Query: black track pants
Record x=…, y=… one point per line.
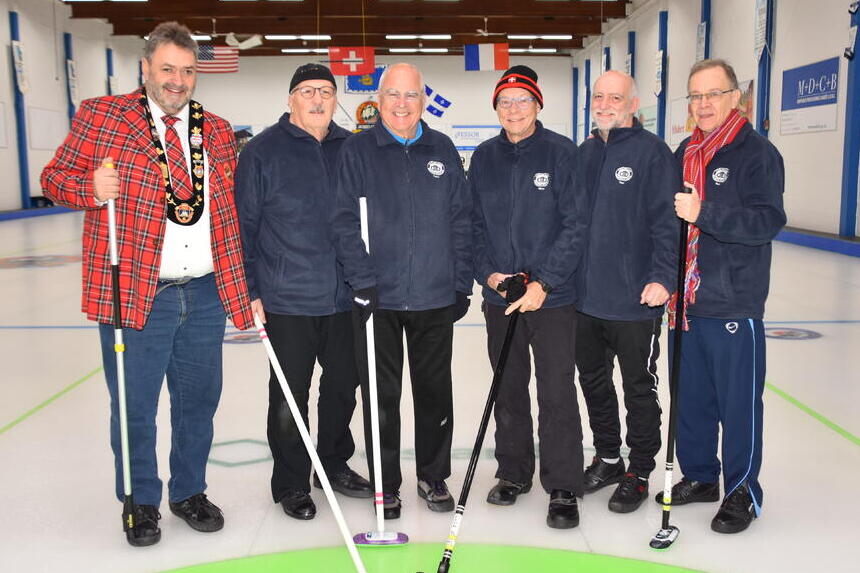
x=637, y=347
x=429, y=340
x=550, y=333
x=299, y=342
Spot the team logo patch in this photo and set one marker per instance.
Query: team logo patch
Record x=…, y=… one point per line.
x=541, y=180
x=624, y=174
x=720, y=175
x=436, y=168
x=732, y=327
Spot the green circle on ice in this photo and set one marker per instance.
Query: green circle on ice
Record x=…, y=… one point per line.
x=424, y=557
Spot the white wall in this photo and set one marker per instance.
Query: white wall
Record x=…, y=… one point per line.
x=41, y=27
x=804, y=32
x=257, y=95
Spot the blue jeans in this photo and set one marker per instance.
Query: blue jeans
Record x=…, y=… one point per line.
x=182, y=339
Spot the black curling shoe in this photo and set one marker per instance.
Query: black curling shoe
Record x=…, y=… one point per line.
x=391, y=505
x=691, y=491
x=348, y=483
x=505, y=492
x=298, y=505
x=600, y=474
x=630, y=493
x=145, y=531
x=199, y=513
x=563, y=510
x=736, y=512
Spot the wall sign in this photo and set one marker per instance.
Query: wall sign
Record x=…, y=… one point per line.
x=809, y=96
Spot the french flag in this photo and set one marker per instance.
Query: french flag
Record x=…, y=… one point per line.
x=480, y=57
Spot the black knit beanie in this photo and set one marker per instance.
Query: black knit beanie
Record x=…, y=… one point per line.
x=311, y=72
x=519, y=77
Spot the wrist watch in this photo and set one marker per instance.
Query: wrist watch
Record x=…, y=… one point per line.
x=543, y=284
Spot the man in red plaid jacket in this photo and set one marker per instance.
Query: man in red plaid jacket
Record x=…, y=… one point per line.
x=180, y=266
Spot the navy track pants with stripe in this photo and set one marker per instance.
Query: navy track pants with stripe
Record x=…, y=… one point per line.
x=721, y=384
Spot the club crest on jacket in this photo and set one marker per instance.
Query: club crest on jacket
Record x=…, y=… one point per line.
x=436, y=168
x=624, y=174
x=720, y=175
x=541, y=180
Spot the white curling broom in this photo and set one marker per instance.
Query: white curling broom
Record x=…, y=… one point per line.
x=380, y=537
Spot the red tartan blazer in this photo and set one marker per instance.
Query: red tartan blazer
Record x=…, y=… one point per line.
x=116, y=126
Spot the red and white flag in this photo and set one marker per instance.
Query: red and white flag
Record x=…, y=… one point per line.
x=351, y=60
x=217, y=60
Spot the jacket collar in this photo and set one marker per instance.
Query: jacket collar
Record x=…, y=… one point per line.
x=617, y=134
x=537, y=135
x=334, y=130
x=383, y=137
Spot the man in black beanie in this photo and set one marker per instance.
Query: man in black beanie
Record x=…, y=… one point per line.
x=529, y=218
x=285, y=199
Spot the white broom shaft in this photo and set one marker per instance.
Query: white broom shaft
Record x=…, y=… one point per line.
x=372, y=391
x=120, y=361
x=306, y=438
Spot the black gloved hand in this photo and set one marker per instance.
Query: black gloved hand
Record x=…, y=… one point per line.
x=365, y=301
x=461, y=306
x=514, y=287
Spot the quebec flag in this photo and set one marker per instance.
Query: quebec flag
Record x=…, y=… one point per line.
x=480, y=57
x=438, y=104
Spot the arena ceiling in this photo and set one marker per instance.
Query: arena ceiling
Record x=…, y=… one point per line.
x=366, y=22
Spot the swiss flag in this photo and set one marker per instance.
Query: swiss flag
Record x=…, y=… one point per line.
x=351, y=60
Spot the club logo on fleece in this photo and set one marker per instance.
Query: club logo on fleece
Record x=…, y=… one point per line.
x=720, y=175
x=436, y=168
x=732, y=327
x=624, y=174
x=541, y=180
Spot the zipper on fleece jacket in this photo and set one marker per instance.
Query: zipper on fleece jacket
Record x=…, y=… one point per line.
x=412, y=224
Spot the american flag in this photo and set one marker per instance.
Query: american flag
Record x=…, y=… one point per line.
x=217, y=60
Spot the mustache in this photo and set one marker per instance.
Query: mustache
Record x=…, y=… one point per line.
x=316, y=109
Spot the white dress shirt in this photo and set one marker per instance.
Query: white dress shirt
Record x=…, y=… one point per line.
x=187, y=249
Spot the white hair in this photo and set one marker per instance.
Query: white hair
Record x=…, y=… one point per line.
x=412, y=67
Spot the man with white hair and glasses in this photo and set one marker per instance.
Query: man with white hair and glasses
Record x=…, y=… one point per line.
x=629, y=271
x=417, y=277
x=285, y=195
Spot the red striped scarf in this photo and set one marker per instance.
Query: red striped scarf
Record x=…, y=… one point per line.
x=697, y=155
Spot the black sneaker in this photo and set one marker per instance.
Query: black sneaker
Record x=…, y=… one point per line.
x=391, y=505
x=198, y=512
x=736, y=512
x=436, y=493
x=563, y=510
x=505, y=492
x=348, y=483
x=298, y=505
x=145, y=531
x=630, y=493
x=691, y=491
x=600, y=474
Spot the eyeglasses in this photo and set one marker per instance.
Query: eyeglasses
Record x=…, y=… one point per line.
x=612, y=98
x=699, y=98
x=520, y=102
x=395, y=95
x=307, y=92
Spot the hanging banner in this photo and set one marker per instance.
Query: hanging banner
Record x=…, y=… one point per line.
x=700, y=41
x=809, y=95
x=628, y=64
x=681, y=123
x=760, y=28
x=603, y=68
x=72, y=76
x=658, y=73
x=113, y=82
x=363, y=84
x=648, y=118
x=20, y=69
